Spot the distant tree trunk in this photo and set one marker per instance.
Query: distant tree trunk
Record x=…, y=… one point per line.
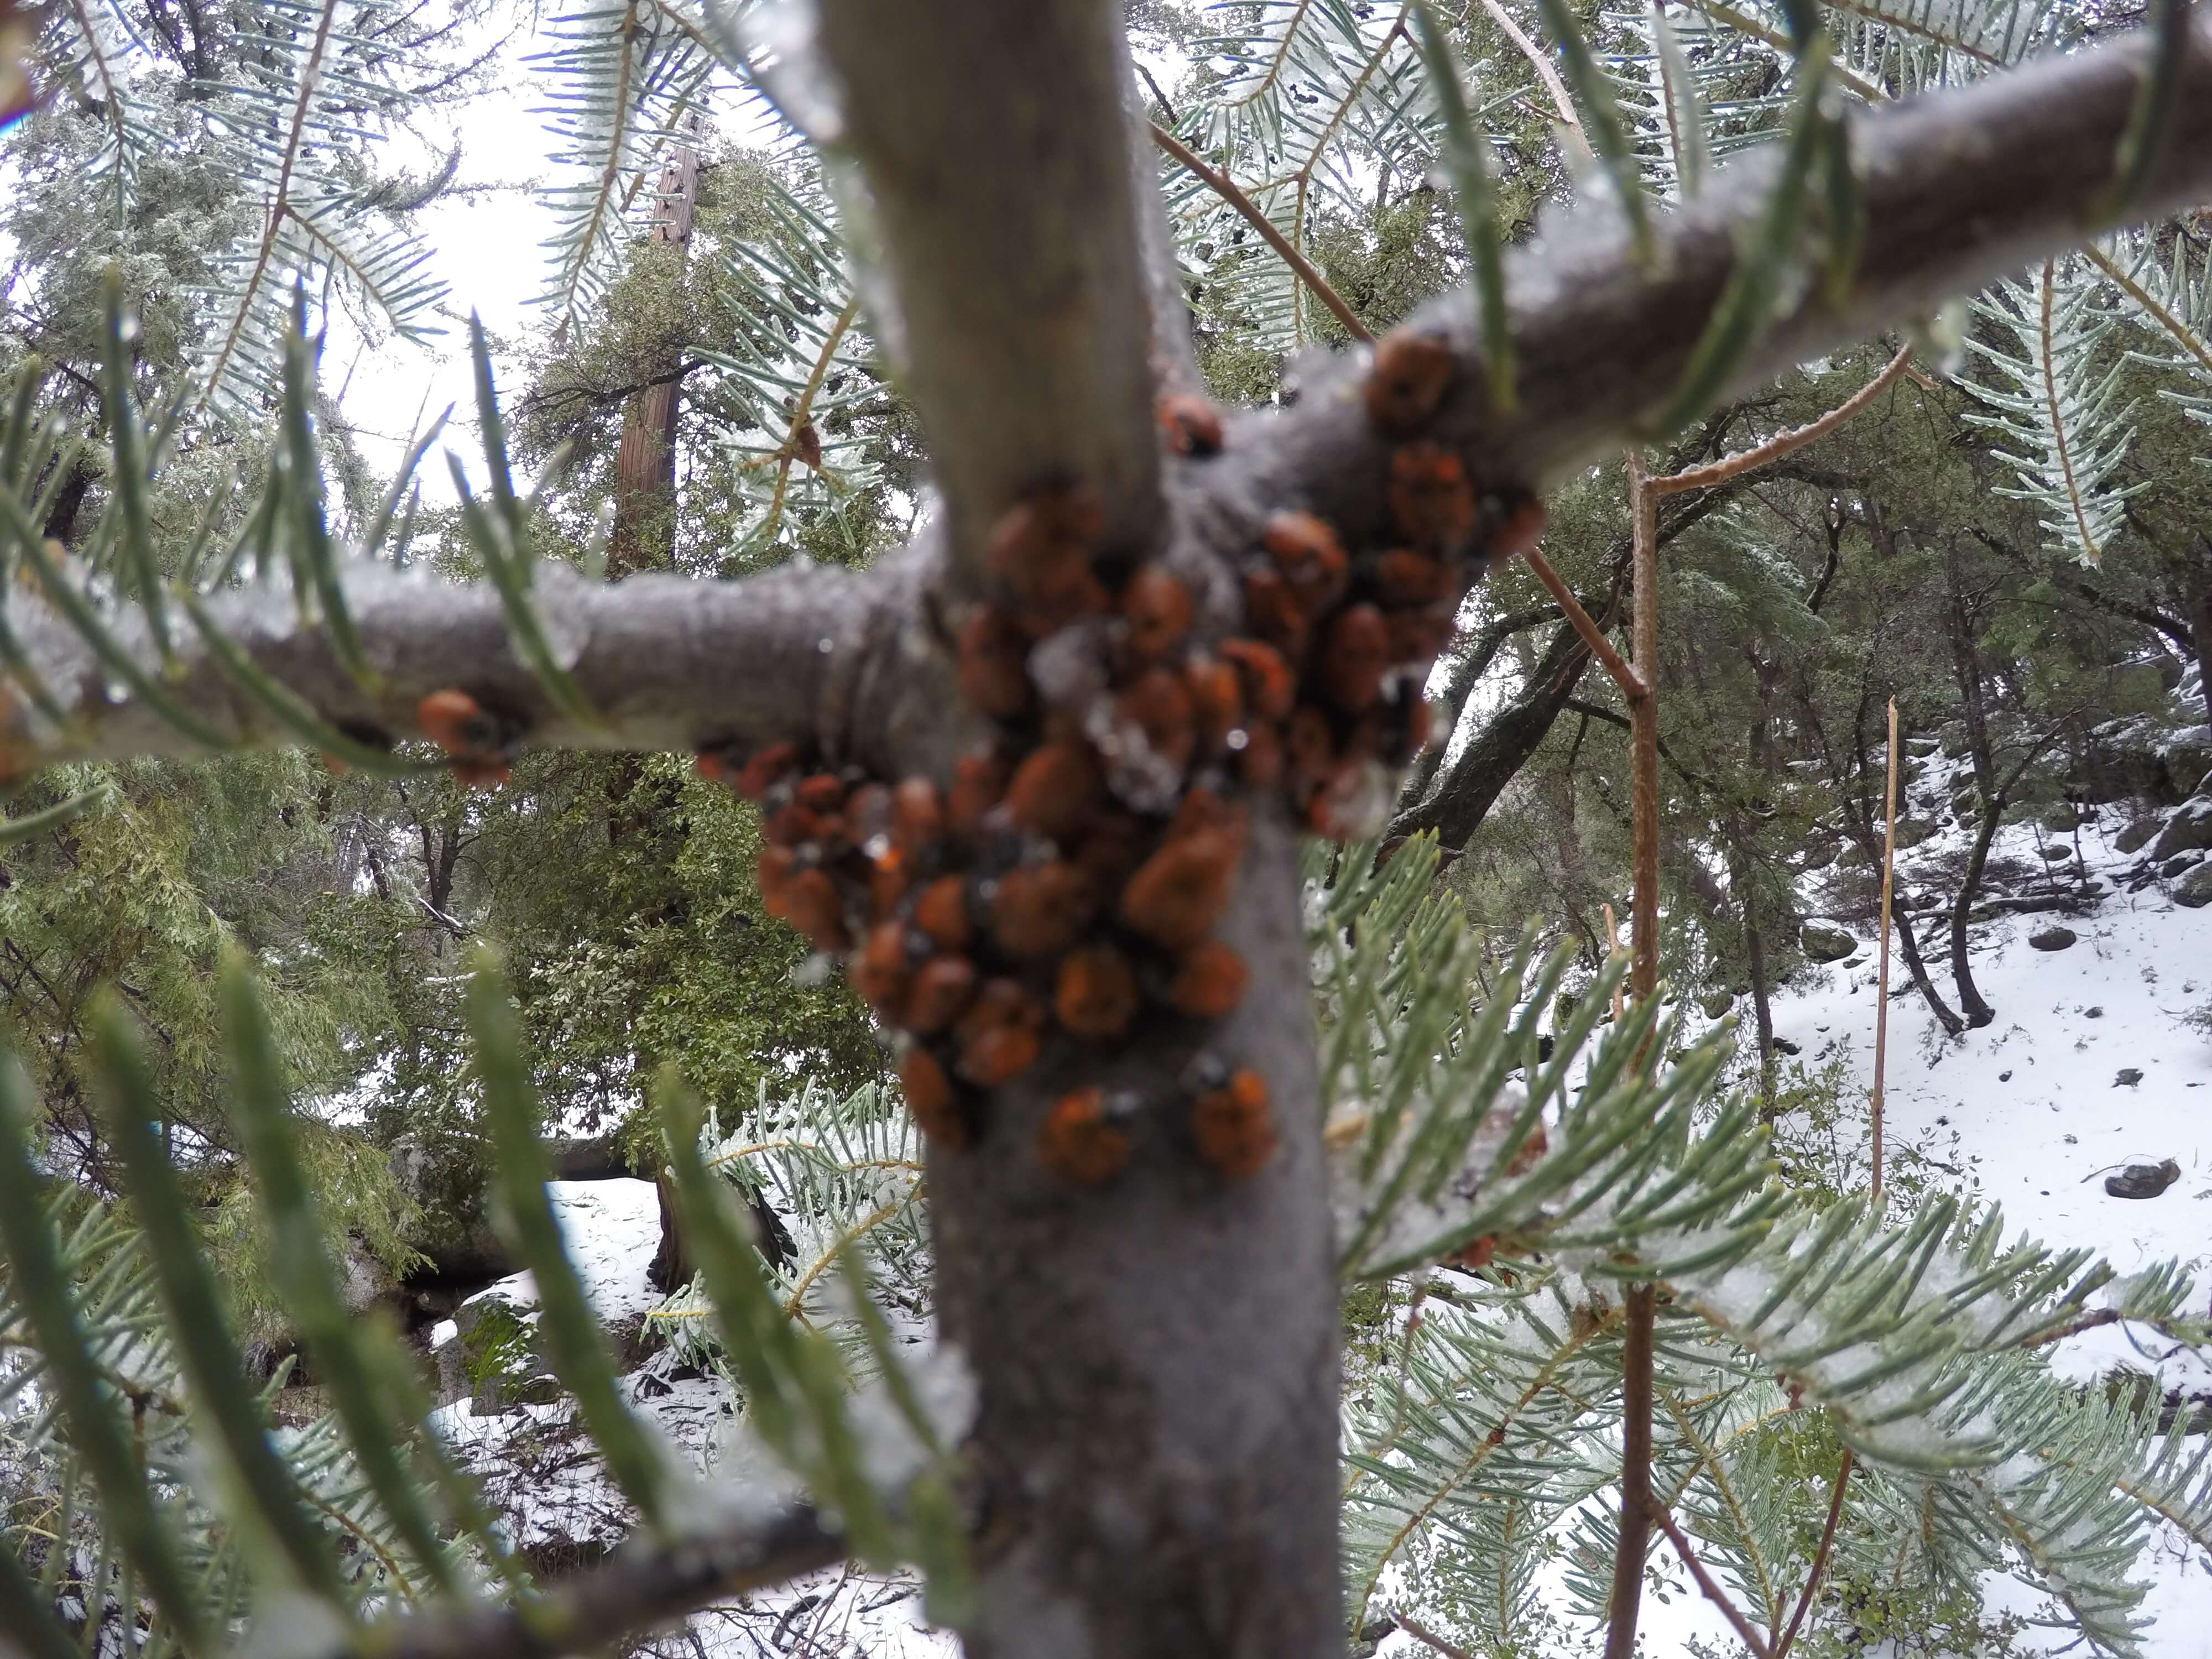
x=645, y=462
x=2197, y=591
x=1978, y=1012
x=68, y=502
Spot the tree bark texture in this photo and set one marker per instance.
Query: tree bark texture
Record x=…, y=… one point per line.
x=645, y=458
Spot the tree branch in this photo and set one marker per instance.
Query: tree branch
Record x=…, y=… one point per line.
x=993, y=138
x=642, y=1585
x=1225, y=187
x=1712, y=1592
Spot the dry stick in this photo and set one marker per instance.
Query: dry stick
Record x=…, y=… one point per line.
x=1713, y=1592
x=1223, y=186
x=1640, y=1306
x=1880, y=1060
x=1719, y=472
x=1545, y=72
x=1612, y=944
x=1882, y=1003
x=1413, y=1628
x=1820, y=1557
x=1626, y=678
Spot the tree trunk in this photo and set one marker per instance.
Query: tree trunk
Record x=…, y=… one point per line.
x=1158, y=1437
x=2197, y=591
x=644, y=461
x=1978, y=1012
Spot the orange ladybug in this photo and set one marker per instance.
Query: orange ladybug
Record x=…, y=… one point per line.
x=1078, y=1142
x=1158, y=608
x=1209, y=982
x=1407, y=382
x=1233, y=1127
x=1057, y=789
x=1041, y=909
x=1431, y=502
x=1179, y=893
x=930, y=1097
x=1095, y=993
x=1354, y=656
x=993, y=657
x=1191, y=426
x=1269, y=690
x=942, y=989
x=942, y=913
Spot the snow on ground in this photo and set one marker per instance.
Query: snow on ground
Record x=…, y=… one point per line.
x=611, y=1229
x=2031, y=1111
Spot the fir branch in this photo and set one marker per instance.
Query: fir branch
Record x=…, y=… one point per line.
x=1225, y=187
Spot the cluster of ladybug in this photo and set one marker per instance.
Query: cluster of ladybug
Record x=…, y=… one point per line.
x=1071, y=873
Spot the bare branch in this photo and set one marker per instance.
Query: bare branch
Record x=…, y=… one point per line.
x=1626, y=678
x=1719, y=472
x=1956, y=189
x=1225, y=187
x=993, y=138
x=670, y=664
x=1713, y=1592
x=643, y=1585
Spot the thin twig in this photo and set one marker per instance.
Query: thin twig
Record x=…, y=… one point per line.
x=1713, y=1592
x=1641, y=1307
x=642, y=1584
x=1881, y=1001
x=1223, y=186
x=1413, y=1628
x=1820, y=1557
x=1593, y=636
x=1546, y=72
x=1698, y=477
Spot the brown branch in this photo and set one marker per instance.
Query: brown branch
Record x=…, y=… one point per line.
x=1640, y=1311
x=1429, y=1639
x=1713, y=1592
x=1225, y=187
x=1782, y=443
x=642, y=1585
x=1540, y=61
x=1626, y=678
x=992, y=137
x=1820, y=1557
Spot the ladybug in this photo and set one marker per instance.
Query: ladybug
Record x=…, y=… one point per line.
x=1209, y=982
x=1407, y=382
x=930, y=1097
x=1179, y=893
x=1158, y=608
x=942, y=989
x=993, y=656
x=1269, y=690
x=1041, y=909
x=1431, y=502
x=979, y=780
x=1354, y=656
x=1057, y=789
x=1309, y=558
x=942, y=913
x=917, y=815
x=880, y=972
x=1096, y=992
x=1233, y=1127
x=1078, y=1140
x=1190, y=426
x=481, y=743
x=1159, y=706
